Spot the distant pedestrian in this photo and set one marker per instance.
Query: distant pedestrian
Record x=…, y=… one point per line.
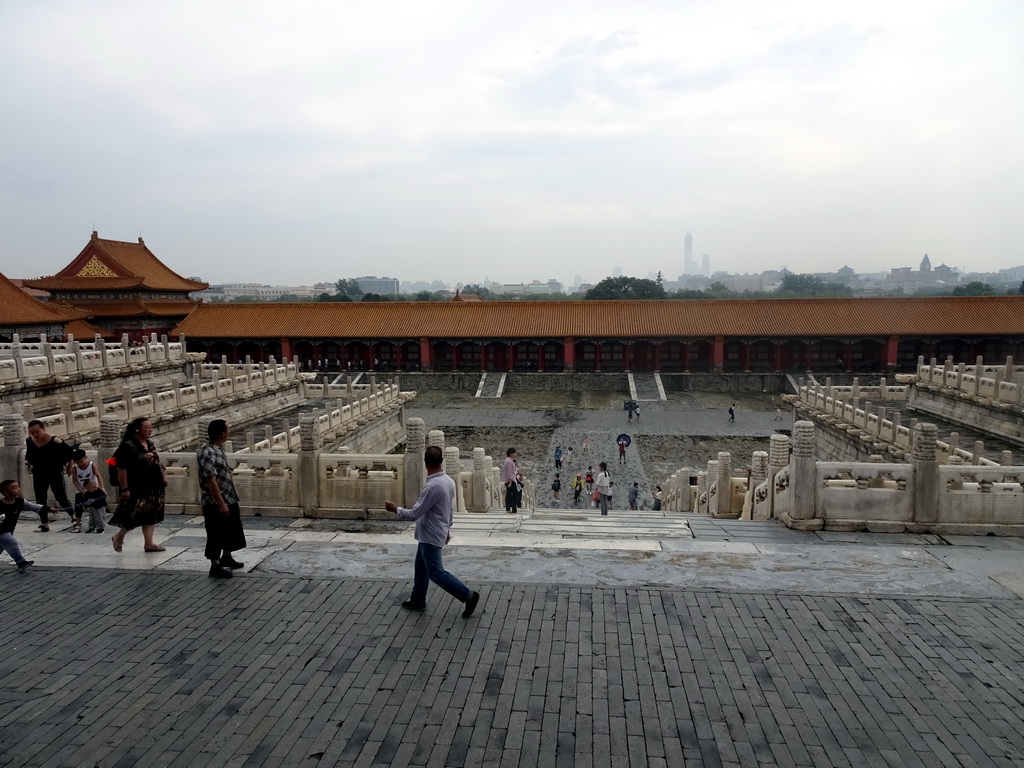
x=732, y=412
x=778, y=414
x=569, y=457
x=433, y=515
x=577, y=489
x=556, y=487
x=558, y=458
x=221, y=514
x=657, y=498
x=604, y=488
x=611, y=492
x=633, y=495
x=586, y=444
x=11, y=507
x=590, y=479
x=622, y=450
x=636, y=412
x=629, y=414
x=509, y=477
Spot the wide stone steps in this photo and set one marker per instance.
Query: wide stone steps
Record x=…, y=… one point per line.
x=620, y=525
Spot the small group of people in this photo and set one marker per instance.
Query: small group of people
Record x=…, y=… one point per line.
x=141, y=481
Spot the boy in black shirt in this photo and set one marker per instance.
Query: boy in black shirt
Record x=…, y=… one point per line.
x=11, y=507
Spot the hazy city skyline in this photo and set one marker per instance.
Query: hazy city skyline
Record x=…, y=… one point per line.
x=457, y=141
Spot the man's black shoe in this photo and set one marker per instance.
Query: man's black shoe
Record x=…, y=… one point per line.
x=471, y=605
x=230, y=562
x=220, y=572
x=409, y=605
x=24, y=565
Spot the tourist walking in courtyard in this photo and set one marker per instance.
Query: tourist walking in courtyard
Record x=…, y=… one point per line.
x=48, y=458
x=586, y=444
x=11, y=507
x=604, y=489
x=510, y=477
x=433, y=515
x=732, y=412
x=221, y=515
x=657, y=498
x=633, y=495
x=577, y=489
x=558, y=458
x=142, y=482
x=556, y=487
x=590, y=480
x=622, y=450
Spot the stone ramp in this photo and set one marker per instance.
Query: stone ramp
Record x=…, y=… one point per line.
x=492, y=384
x=646, y=387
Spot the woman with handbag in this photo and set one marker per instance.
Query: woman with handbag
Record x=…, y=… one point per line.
x=142, y=481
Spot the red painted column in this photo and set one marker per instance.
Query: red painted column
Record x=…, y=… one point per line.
x=426, y=355
x=511, y=356
x=848, y=355
x=569, y=353
x=686, y=357
x=718, y=354
x=540, y=357
x=286, y=348
x=597, y=357
x=483, y=357
x=657, y=356
x=891, y=354
x=626, y=349
x=745, y=356
x=777, y=357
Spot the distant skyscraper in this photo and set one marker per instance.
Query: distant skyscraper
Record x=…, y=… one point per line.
x=705, y=265
x=689, y=268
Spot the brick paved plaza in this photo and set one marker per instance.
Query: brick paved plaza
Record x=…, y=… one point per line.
x=128, y=668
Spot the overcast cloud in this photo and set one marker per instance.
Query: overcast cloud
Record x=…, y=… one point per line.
x=306, y=141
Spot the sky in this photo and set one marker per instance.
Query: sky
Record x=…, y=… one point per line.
x=299, y=142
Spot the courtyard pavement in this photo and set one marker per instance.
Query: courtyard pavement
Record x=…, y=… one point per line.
x=632, y=640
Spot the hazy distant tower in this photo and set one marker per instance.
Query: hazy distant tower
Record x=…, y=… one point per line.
x=689, y=268
x=705, y=265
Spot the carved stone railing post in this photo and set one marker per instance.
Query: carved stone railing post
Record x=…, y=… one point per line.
x=926, y=474
x=111, y=428
x=415, y=471
x=479, y=501
x=803, y=476
x=309, y=479
x=453, y=468
x=758, y=474
x=13, y=428
x=778, y=457
x=724, y=506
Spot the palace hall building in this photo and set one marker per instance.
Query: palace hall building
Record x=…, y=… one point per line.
x=729, y=335
x=123, y=287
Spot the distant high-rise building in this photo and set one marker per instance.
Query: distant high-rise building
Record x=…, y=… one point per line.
x=689, y=268
x=705, y=265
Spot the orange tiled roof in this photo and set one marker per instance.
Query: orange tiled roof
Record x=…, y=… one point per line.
x=115, y=265
x=135, y=308
x=84, y=330
x=18, y=308
x=749, y=318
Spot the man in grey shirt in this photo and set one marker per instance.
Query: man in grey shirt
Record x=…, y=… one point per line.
x=433, y=515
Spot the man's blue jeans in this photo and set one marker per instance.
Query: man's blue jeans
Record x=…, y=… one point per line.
x=604, y=504
x=430, y=568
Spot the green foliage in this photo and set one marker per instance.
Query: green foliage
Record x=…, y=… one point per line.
x=974, y=289
x=475, y=289
x=374, y=297
x=811, y=286
x=334, y=297
x=624, y=287
x=347, y=286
